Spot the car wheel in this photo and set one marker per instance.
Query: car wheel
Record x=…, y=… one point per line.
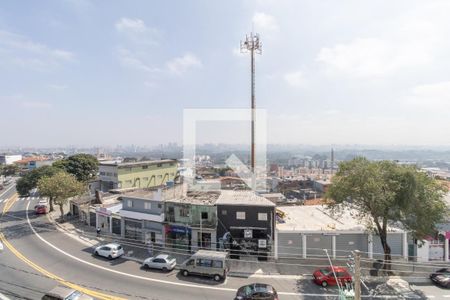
x=109, y=257
x=185, y=273
x=164, y=269
x=217, y=277
x=324, y=283
x=96, y=253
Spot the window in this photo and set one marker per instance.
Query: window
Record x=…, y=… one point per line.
x=130, y=203
x=159, y=260
x=144, y=167
x=224, y=212
x=108, y=174
x=102, y=173
x=190, y=263
x=217, y=264
x=147, y=205
x=204, y=215
x=262, y=216
x=115, y=174
x=240, y=215
x=159, y=206
x=204, y=263
x=184, y=212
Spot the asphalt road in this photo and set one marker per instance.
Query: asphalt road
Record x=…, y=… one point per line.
x=53, y=254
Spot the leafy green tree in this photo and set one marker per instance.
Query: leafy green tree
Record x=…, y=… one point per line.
x=59, y=188
x=10, y=170
x=83, y=166
x=383, y=194
x=29, y=180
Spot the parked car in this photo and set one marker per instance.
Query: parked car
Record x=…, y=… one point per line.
x=163, y=262
x=206, y=263
x=441, y=277
x=112, y=250
x=65, y=293
x=325, y=276
x=256, y=291
x=40, y=209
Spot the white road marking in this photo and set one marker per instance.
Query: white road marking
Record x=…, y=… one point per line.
x=446, y=296
x=7, y=190
x=3, y=297
x=147, y=278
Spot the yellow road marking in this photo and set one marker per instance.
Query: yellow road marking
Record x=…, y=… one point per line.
x=9, y=203
x=48, y=274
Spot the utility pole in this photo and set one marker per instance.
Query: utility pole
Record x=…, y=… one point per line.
x=253, y=45
x=357, y=282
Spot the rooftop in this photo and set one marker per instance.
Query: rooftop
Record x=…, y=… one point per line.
x=244, y=198
x=197, y=197
x=317, y=218
x=138, y=163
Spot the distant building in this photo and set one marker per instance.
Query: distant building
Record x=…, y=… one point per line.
x=143, y=174
x=9, y=159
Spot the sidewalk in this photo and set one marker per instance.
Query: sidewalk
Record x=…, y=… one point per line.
x=246, y=266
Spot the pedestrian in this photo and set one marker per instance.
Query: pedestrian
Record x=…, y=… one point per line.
x=98, y=231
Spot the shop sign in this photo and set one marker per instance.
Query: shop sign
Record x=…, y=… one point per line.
x=248, y=233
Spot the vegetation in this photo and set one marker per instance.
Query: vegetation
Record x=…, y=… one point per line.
x=59, y=187
x=29, y=180
x=383, y=193
x=9, y=170
x=83, y=166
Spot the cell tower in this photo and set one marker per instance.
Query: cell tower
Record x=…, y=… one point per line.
x=252, y=45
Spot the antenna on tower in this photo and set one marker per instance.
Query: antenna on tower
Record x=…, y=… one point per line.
x=252, y=45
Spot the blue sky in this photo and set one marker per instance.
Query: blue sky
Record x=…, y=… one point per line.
x=115, y=72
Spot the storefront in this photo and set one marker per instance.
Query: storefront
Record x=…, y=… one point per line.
x=178, y=237
x=106, y=218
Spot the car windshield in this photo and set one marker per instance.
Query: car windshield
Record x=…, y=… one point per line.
x=75, y=295
x=325, y=271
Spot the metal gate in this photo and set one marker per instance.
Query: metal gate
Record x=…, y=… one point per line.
x=289, y=244
x=315, y=244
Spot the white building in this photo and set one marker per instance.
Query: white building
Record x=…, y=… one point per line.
x=9, y=159
x=307, y=230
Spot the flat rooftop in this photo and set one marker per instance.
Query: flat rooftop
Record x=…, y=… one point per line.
x=243, y=198
x=315, y=218
x=137, y=163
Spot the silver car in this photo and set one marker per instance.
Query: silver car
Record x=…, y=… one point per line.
x=163, y=262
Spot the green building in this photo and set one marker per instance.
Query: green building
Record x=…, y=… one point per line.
x=142, y=174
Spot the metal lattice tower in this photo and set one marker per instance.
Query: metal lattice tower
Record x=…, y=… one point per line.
x=252, y=45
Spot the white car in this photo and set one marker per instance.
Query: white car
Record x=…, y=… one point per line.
x=112, y=250
x=163, y=262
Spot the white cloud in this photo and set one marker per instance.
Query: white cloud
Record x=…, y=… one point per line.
x=295, y=79
x=22, y=51
x=130, y=60
x=373, y=57
x=264, y=22
x=433, y=97
x=137, y=31
x=36, y=105
x=180, y=65
x=126, y=25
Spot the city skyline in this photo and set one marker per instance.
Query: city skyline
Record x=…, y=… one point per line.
x=373, y=74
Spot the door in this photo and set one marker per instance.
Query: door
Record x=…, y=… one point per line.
x=105, y=251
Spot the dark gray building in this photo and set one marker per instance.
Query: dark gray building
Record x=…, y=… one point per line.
x=246, y=223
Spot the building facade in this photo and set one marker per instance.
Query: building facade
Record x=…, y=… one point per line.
x=191, y=221
x=143, y=174
x=246, y=223
x=9, y=159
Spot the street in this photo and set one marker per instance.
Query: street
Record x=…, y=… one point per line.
x=42, y=254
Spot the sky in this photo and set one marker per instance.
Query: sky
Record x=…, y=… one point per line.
x=93, y=73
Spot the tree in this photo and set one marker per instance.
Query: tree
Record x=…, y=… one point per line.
x=9, y=170
x=383, y=194
x=59, y=188
x=29, y=180
x=83, y=166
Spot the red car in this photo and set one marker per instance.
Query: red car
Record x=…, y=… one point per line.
x=40, y=209
x=325, y=276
